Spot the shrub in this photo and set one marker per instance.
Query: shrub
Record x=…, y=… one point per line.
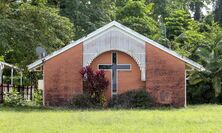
x=132, y=99
x=200, y=94
x=14, y=99
x=84, y=101
x=94, y=84
x=38, y=97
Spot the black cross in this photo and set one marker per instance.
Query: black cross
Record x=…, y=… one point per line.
x=114, y=67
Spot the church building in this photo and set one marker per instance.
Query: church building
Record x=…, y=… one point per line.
x=129, y=59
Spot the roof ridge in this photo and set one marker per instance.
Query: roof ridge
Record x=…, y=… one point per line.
x=124, y=28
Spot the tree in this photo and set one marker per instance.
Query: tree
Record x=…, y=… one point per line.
x=17, y=41
x=55, y=31
x=187, y=42
x=160, y=10
x=4, y=6
x=163, y=8
x=24, y=27
x=201, y=91
x=196, y=6
x=218, y=11
x=211, y=57
x=136, y=15
x=178, y=22
x=86, y=15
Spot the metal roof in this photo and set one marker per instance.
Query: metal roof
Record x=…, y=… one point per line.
x=127, y=30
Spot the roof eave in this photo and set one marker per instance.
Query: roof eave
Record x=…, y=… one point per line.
x=124, y=28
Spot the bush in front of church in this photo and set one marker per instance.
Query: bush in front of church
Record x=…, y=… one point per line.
x=132, y=99
x=84, y=101
x=94, y=86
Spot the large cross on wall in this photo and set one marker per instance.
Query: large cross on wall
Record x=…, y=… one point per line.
x=114, y=67
x=115, y=39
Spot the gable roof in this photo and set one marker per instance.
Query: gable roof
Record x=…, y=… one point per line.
x=127, y=30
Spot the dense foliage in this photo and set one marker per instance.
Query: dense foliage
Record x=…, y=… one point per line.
x=210, y=55
x=1, y=58
x=23, y=27
x=94, y=84
x=177, y=23
x=132, y=99
x=84, y=101
x=14, y=98
x=137, y=16
x=37, y=97
x=86, y=15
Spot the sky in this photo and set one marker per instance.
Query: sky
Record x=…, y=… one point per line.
x=208, y=9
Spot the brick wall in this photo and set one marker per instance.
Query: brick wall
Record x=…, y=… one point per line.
x=105, y=58
x=62, y=78
x=165, y=77
x=127, y=80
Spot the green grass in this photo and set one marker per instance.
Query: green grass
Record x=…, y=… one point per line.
x=196, y=119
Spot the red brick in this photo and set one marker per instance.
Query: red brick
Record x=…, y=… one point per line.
x=62, y=79
x=165, y=77
x=127, y=80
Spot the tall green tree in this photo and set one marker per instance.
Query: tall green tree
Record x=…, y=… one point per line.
x=178, y=22
x=86, y=15
x=210, y=56
x=24, y=27
x=187, y=42
x=137, y=16
x=161, y=10
x=54, y=30
x=218, y=11
x=196, y=7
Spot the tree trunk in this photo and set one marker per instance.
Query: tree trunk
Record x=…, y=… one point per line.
x=197, y=13
x=218, y=12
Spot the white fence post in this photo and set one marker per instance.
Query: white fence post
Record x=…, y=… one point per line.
x=12, y=75
x=1, y=73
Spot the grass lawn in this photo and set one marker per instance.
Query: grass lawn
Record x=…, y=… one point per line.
x=196, y=119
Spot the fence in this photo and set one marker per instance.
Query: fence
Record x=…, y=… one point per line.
x=25, y=91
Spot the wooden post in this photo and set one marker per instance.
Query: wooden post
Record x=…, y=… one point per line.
x=18, y=88
x=7, y=90
x=22, y=91
x=1, y=93
x=31, y=93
